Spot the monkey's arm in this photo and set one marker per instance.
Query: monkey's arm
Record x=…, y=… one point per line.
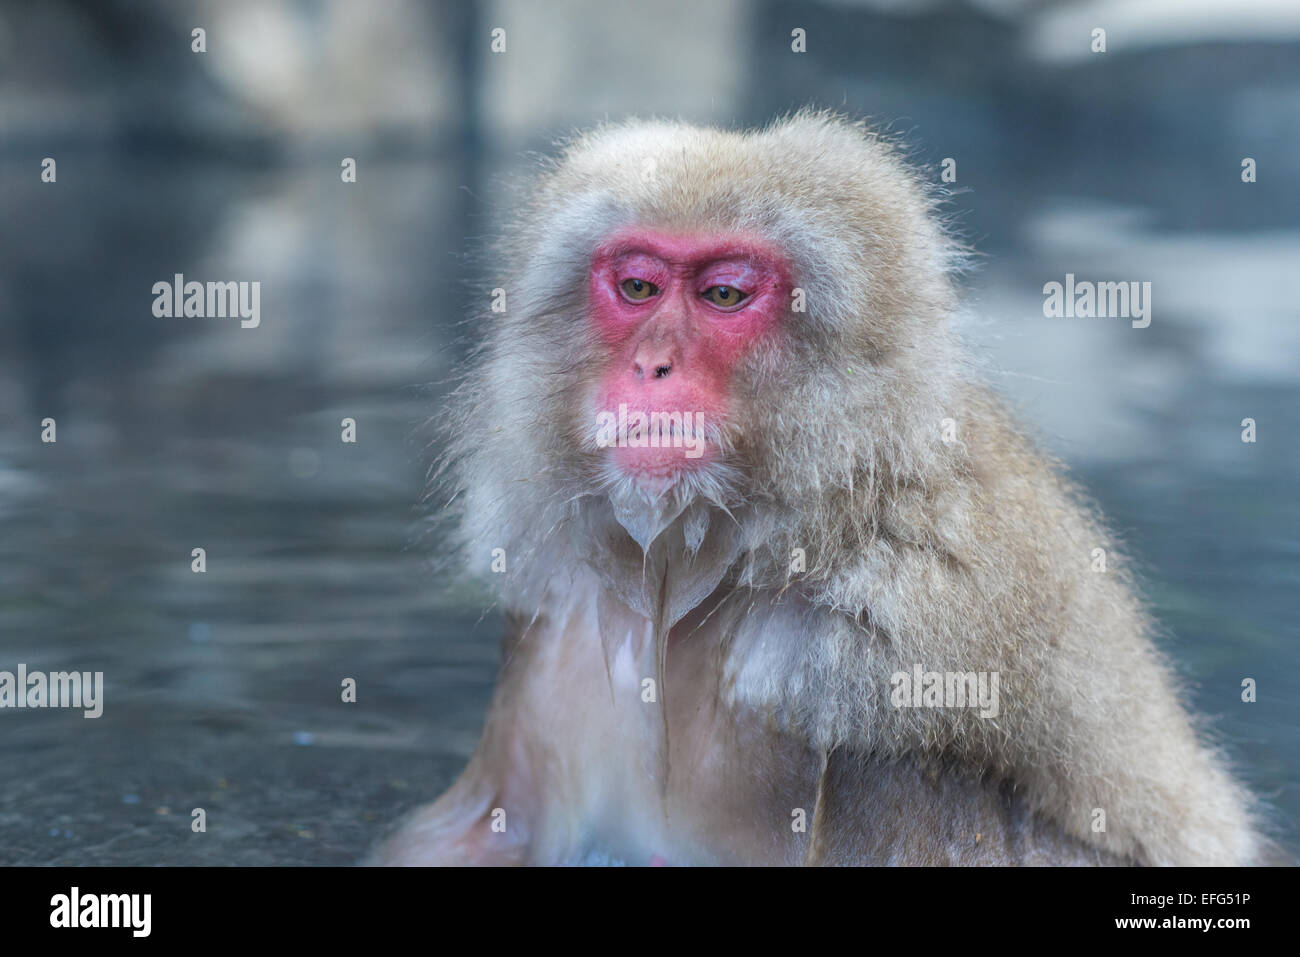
x=988, y=569
x=483, y=819
x=457, y=828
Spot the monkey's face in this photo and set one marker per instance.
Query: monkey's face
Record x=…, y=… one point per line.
x=784, y=288
x=676, y=315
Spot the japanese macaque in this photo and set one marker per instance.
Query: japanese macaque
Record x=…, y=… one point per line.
x=782, y=583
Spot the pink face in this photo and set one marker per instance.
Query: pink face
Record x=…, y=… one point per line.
x=677, y=313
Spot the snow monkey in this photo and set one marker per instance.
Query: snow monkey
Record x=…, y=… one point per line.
x=782, y=582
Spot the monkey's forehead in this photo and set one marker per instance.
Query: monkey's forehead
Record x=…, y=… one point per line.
x=815, y=160
x=827, y=189
x=852, y=222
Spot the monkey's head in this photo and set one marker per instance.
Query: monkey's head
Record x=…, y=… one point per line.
x=700, y=321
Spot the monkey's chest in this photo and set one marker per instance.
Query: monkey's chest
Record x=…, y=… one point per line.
x=643, y=767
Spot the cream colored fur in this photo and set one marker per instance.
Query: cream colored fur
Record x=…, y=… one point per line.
x=965, y=556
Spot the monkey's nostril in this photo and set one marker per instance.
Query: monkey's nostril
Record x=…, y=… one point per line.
x=661, y=372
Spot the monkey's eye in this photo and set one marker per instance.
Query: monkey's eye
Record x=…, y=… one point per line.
x=724, y=296
x=638, y=289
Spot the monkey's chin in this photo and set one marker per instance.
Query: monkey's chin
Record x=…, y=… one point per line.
x=656, y=471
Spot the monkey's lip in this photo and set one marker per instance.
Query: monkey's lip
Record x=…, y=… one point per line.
x=662, y=465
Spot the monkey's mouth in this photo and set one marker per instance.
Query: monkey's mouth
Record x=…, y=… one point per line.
x=658, y=469
x=655, y=448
